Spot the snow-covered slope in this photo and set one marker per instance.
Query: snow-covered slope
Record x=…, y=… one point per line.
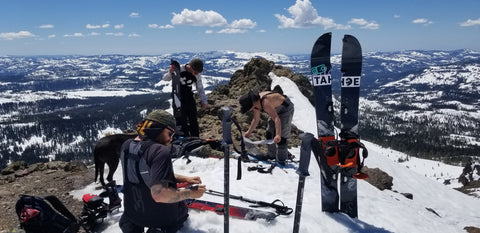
x=434, y=207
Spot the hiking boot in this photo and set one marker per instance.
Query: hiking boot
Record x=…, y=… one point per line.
x=115, y=204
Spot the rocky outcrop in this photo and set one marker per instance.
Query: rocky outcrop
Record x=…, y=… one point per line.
x=53, y=178
x=254, y=76
x=378, y=178
x=470, y=173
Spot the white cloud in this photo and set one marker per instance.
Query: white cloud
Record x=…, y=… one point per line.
x=304, y=15
x=364, y=23
x=52, y=36
x=134, y=15
x=470, y=22
x=168, y=26
x=156, y=26
x=208, y=31
x=396, y=16
x=76, y=34
x=133, y=35
x=118, y=26
x=422, y=21
x=16, y=35
x=46, y=26
x=114, y=34
x=198, y=18
x=262, y=30
x=243, y=23
x=90, y=26
x=232, y=31
x=94, y=34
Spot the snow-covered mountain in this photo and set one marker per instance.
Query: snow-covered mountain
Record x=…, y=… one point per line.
x=56, y=107
x=421, y=102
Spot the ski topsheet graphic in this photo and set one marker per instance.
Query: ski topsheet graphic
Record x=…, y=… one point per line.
x=351, y=75
x=338, y=159
x=322, y=85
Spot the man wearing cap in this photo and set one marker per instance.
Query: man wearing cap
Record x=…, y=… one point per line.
x=280, y=109
x=189, y=74
x=151, y=197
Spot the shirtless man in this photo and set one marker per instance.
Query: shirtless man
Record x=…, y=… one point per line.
x=280, y=109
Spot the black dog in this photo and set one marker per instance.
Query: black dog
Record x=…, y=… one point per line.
x=107, y=150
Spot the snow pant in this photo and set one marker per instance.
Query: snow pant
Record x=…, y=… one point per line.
x=128, y=226
x=188, y=119
x=285, y=113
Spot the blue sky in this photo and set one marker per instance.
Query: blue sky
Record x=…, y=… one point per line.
x=152, y=27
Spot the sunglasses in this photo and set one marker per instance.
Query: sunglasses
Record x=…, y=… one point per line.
x=171, y=132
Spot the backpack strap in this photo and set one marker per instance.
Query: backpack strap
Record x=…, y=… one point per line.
x=263, y=97
x=134, y=164
x=60, y=207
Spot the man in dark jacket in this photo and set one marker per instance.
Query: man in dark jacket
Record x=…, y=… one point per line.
x=151, y=197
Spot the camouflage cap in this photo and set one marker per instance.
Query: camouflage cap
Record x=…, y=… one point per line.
x=163, y=118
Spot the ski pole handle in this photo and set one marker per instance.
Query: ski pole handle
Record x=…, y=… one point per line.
x=305, y=152
x=227, y=125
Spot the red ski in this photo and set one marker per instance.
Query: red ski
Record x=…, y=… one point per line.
x=235, y=211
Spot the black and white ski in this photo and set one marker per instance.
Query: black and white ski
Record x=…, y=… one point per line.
x=338, y=156
x=351, y=70
x=322, y=86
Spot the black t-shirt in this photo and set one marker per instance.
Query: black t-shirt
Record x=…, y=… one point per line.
x=160, y=163
x=140, y=207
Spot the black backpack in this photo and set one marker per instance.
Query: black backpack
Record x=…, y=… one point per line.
x=37, y=216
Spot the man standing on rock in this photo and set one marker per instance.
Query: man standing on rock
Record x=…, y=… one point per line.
x=280, y=109
x=189, y=74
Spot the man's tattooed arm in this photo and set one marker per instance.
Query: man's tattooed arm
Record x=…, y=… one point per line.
x=164, y=194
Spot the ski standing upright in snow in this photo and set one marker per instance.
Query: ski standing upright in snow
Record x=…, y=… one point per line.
x=338, y=159
x=350, y=93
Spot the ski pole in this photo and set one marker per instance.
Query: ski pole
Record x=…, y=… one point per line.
x=279, y=209
x=302, y=171
x=226, y=142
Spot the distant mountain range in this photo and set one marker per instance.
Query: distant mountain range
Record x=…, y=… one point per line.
x=421, y=102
